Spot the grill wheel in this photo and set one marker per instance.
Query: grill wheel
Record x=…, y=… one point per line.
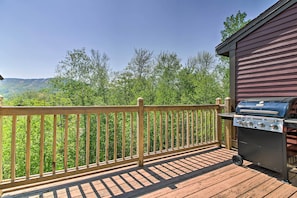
x=237, y=159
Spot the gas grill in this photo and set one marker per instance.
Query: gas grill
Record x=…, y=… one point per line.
x=267, y=135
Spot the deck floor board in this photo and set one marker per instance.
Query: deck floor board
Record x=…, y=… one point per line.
x=201, y=173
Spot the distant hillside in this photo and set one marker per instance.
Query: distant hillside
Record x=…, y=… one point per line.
x=13, y=86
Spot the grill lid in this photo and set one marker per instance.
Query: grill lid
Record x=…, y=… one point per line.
x=270, y=106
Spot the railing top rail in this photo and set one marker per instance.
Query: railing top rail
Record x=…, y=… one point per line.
x=179, y=107
x=26, y=110
x=44, y=110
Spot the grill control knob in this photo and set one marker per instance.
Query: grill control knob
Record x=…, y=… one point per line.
x=261, y=124
x=250, y=123
x=274, y=126
x=239, y=122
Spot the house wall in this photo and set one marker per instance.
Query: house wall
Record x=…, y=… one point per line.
x=266, y=60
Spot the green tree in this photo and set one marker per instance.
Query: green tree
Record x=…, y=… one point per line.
x=44, y=97
x=135, y=80
x=99, y=74
x=141, y=66
x=167, y=83
x=199, y=80
x=121, y=89
x=232, y=24
x=83, y=78
x=187, y=81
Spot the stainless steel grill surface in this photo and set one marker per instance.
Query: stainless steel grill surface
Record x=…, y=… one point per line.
x=266, y=114
x=259, y=122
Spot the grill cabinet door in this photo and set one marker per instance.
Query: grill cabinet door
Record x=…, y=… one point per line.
x=263, y=148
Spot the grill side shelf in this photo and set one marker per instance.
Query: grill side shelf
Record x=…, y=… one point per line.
x=227, y=116
x=291, y=123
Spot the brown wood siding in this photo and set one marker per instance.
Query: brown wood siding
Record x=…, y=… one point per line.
x=267, y=59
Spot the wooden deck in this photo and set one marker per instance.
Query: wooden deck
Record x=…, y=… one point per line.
x=203, y=173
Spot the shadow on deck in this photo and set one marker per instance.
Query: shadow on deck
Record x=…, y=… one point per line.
x=203, y=173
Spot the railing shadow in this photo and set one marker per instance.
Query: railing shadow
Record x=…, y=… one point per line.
x=137, y=181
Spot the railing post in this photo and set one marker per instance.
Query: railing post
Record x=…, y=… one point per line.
x=1, y=146
x=219, y=121
x=228, y=124
x=140, y=129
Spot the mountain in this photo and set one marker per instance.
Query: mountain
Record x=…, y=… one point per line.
x=13, y=86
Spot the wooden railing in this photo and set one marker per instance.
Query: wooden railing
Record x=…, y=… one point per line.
x=44, y=143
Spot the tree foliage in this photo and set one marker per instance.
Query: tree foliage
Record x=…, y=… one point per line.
x=83, y=78
x=232, y=24
x=166, y=74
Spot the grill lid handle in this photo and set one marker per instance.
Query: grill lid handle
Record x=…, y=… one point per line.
x=258, y=111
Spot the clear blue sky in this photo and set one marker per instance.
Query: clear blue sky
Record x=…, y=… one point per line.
x=35, y=35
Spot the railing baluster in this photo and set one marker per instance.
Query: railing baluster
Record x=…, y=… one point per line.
x=177, y=130
x=197, y=129
x=41, y=164
x=106, y=139
x=155, y=132
x=166, y=131
x=66, y=144
x=205, y=126
x=201, y=127
x=54, y=145
x=124, y=136
x=98, y=140
x=88, y=129
x=115, y=152
x=188, y=129
x=213, y=125
x=28, y=141
x=192, y=128
x=148, y=133
x=183, y=129
x=161, y=133
x=77, y=141
x=172, y=130
x=209, y=126
x=13, y=148
x=131, y=135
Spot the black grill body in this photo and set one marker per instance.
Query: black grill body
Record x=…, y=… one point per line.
x=265, y=149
